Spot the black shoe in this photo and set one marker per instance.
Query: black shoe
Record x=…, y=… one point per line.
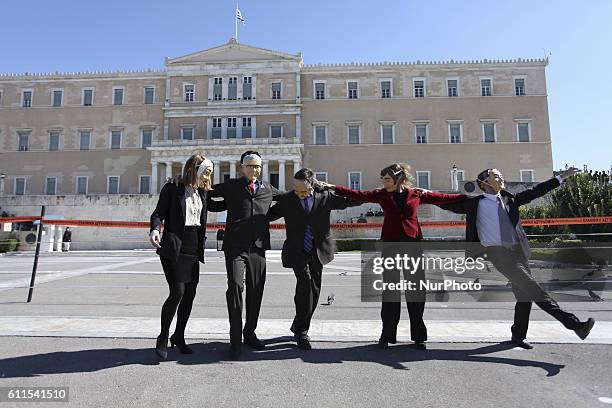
x=584, y=328
x=252, y=341
x=420, y=346
x=161, y=347
x=292, y=328
x=303, y=342
x=521, y=343
x=382, y=343
x=180, y=343
x=234, y=351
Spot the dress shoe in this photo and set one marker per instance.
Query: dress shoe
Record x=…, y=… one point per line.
x=584, y=328
x=521, y=343
x=252, y=341
x=420, y=346
x=234, y=351
x=161, y=347
x=180, y=343
x=303, y=342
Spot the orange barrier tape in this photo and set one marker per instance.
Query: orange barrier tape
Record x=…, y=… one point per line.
x=425, y=224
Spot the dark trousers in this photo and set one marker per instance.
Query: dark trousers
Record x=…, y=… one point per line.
x=513, y=265
x=415, y=300
x=241, y=264
x=307, y=290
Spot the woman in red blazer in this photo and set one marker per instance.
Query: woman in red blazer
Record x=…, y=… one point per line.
x=400, y=202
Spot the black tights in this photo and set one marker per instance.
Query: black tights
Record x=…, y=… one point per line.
x=181, y=295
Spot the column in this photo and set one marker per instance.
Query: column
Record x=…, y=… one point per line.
x=232, y=165
x=265, y=175
x=298, y=127
x=297, y=164
x=281, y=174
x=166, y=129
x=216, y=172
x=168, y=170
x=58, y=238
x=153, y=177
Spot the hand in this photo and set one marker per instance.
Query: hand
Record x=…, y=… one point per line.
x=326, y=186
x=154, y=238
x=421, y=190
x=569, y=173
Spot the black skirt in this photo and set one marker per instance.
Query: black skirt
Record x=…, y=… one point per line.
x=186, y=269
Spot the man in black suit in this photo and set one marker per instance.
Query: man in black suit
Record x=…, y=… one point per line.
x=309, y=244
x=493, y=220
x=247, y=237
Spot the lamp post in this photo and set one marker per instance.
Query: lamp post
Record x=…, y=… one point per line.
x=455, y=182
x=2, y=177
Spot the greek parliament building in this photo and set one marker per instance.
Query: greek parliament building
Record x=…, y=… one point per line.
x=126, y=132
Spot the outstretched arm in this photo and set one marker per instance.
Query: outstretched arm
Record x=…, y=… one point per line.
x=340, y=203
x=363, y=196
x=541, y=189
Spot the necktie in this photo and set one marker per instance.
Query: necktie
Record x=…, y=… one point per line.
x=308, y=237
x=505, y=226
x=252, y=186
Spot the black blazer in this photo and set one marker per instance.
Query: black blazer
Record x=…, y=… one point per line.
x=469, y=206
x=246, y=222
x=289, y=206
x=170, y=211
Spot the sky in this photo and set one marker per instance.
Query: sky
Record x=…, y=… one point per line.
x=70, y=35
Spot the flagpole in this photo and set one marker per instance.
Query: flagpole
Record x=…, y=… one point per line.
x=236, y=22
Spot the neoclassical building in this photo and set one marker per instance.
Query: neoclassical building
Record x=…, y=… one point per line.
x=126, y=132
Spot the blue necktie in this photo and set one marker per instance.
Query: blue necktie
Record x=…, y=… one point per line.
x=308, y=237
x=505, y=226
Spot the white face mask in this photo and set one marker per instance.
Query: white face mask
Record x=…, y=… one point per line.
x=206, y=164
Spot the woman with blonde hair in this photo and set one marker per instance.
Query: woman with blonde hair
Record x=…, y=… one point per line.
x=400, y=202
x=182, y=208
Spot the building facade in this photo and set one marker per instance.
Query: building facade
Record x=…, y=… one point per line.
x=126, y=132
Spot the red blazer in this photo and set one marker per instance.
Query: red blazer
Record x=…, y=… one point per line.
x=395, y=221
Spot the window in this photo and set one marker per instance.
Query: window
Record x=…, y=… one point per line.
x=247, y=88
x=246, y=127
x=321, y=176
x=187, y=133
x=485, y=87
x=26, y=99
x=488, y=132
x=112, y=185
x=231, y=128
x=354, y=136
x=423, y=179
x=319, y=90
x=1, y=94
x=189, y=92
x=421, y=133
x=387, y=133
x=276, y=131
x=216, y=128
x=145, y=185
x=217, y=89
x=385, y=89
x=117, y=96
x=232, y=89
x=24, y=141
x=320, y=132
x=451, y=85
x=454, y=131
x=149, y=95
x=20, y=185
x=519, y=87
x=353, y=89
x=84, y=137
x=147, y=138
x=115, y=139
x=276, y=90
x=57, y=97
x=527, y=176
x=354, y=179
x=88, y=96
x=51, y=186
x=523, y=131
x=419, y=88
x=54, y=140
x=81, y=184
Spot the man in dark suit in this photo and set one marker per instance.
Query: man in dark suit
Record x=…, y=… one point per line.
x=247, y=237
x=493, y=220
x=309, y=244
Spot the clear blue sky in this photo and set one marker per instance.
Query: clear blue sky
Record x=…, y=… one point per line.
x=71, y=35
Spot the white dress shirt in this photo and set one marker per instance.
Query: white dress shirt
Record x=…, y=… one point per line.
x=193, y=207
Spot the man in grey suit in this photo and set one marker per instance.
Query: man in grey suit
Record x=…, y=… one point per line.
x=309, y=244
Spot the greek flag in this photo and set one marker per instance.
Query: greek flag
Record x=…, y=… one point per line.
x=239, y=15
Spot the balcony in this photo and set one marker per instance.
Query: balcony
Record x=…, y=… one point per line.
x=226, y=142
